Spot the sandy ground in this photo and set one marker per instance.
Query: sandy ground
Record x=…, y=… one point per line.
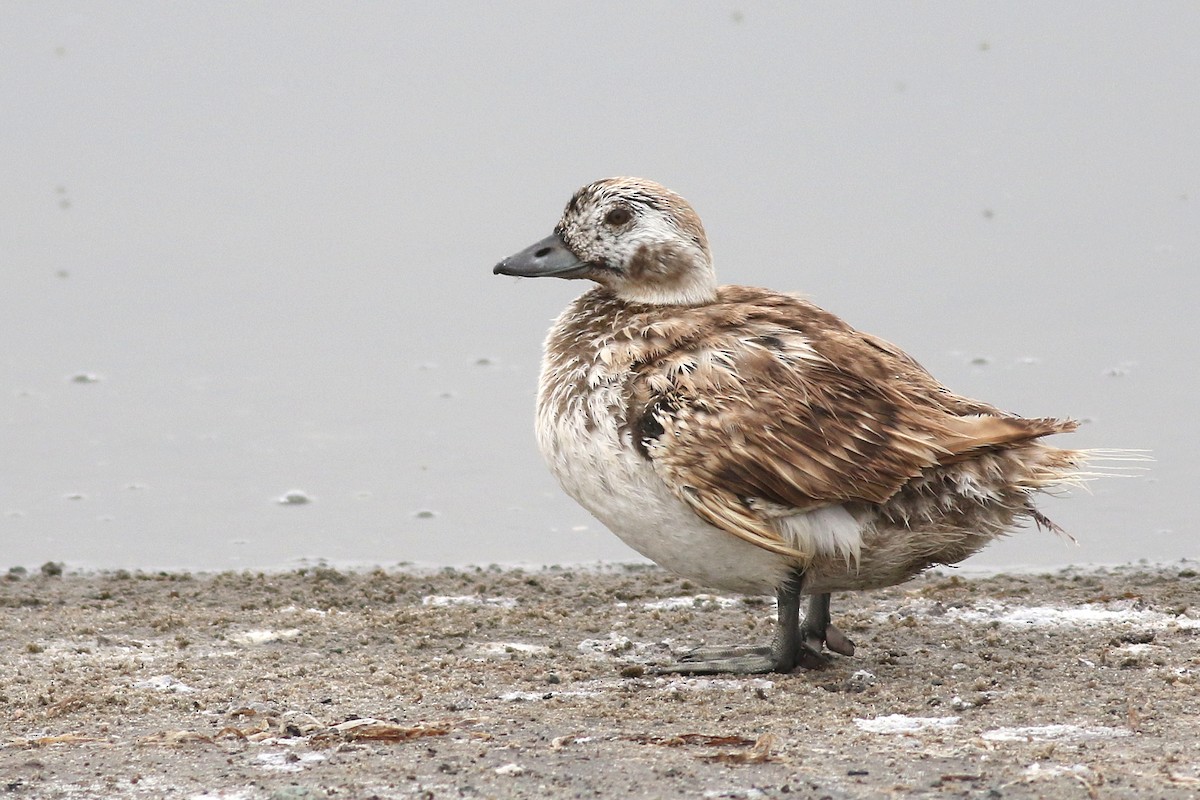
x=504, y=683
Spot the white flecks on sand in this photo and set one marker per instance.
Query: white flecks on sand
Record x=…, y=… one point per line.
x=164, y=683
x=691, y=601
x=1040, y=733
x=862, y=678
x=1091, y=614
x=618, y=645
x=511, y=648
x=559, y=742
x=902, y=723
x=1040, y=770
x=747, y=793
x=511, y=769
x=287, y=760
x=957, y=703
x=442, y=600
x=1140, y=651
x=615, y=643
x=316, y=612
x=254, y=637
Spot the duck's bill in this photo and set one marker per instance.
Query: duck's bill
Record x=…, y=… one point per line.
x=547, y=258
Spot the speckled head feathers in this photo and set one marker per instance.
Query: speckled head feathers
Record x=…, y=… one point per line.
x=639, y=240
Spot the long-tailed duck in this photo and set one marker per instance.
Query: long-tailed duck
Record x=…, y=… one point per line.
x=753, y=442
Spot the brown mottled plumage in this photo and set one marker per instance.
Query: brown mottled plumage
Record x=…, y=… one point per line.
x=749, y=439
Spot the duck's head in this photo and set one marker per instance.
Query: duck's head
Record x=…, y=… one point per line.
x=640, y=240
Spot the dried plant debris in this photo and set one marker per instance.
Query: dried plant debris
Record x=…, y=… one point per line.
x=378, y=731
x=690, y=739
x=760, y=753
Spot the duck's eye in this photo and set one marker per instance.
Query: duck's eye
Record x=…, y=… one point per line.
x=618, y=216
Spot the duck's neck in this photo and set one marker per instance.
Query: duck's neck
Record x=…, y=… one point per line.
x=697, y=294
x=668, y=276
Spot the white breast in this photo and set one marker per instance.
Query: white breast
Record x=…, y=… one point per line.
x=618, y=486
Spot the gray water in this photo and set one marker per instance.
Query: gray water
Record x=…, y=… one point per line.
x=246, y=249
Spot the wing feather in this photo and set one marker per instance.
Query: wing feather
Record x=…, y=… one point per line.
x=767, y=416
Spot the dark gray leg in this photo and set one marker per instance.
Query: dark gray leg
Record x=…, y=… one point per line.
x=819, y=632
x=795, y=645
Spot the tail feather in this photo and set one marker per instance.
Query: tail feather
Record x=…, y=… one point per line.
x=1059, y=468
x=968, y=435
x=1056, y=466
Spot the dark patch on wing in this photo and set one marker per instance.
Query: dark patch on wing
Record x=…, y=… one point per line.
x=768, y=341
x=648, y=427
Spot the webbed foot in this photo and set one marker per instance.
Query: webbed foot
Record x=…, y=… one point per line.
x=744, y=660
x=796, y=644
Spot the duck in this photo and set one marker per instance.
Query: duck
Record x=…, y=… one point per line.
x=753, y=442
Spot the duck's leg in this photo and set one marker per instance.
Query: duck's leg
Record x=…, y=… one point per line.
x=794, y=646
x=782, y=656
x=818, y=631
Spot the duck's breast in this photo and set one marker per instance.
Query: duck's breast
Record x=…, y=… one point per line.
x=580, y=429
